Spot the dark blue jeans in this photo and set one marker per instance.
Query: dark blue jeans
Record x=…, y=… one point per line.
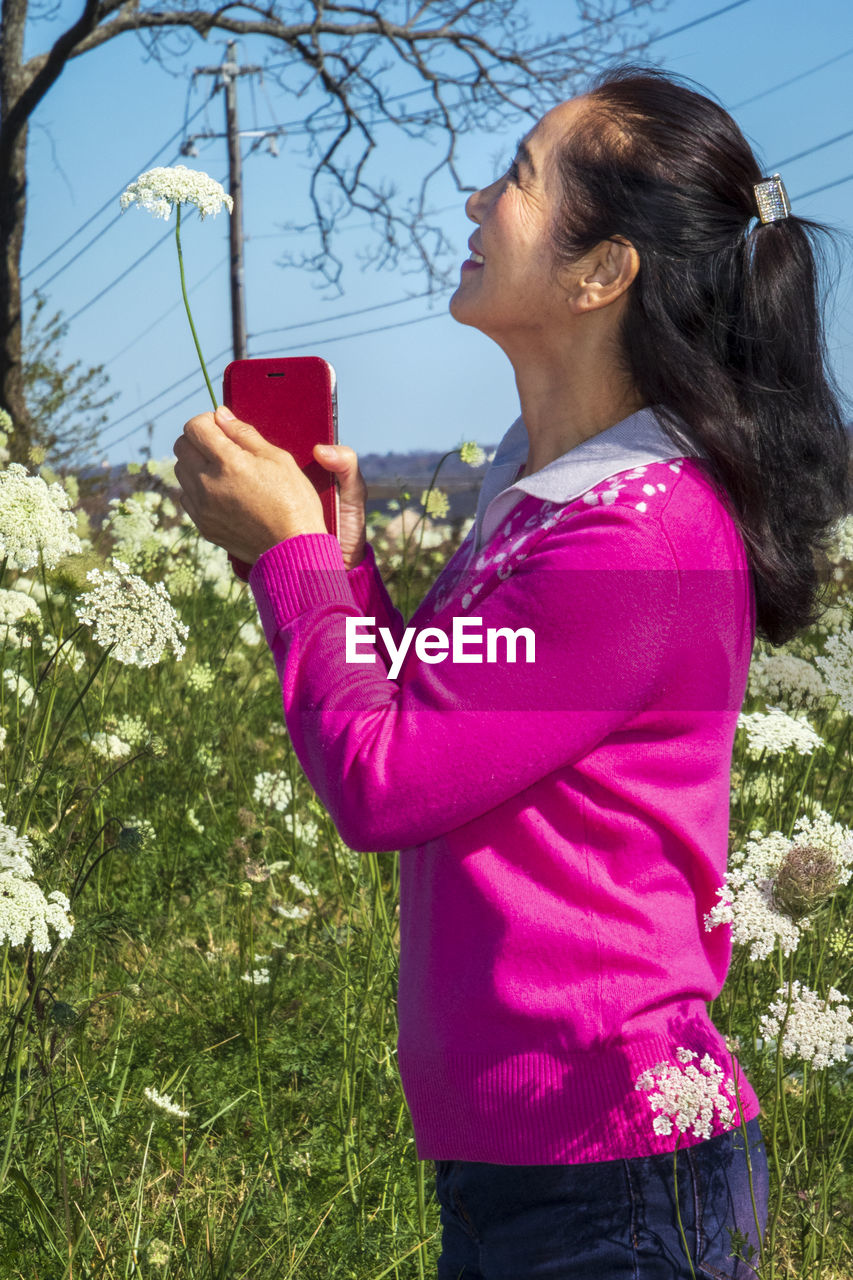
x=614, y=1220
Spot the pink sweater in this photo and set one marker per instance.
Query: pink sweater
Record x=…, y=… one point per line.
x=562, y=822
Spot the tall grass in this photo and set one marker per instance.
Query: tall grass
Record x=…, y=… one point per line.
x=231, y=953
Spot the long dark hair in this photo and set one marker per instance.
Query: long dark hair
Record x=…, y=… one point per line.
x=723, y=330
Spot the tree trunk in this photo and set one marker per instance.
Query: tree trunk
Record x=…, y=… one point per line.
x=13, y=204
x=13, y=207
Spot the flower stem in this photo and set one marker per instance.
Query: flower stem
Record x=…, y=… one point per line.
x=214, y=401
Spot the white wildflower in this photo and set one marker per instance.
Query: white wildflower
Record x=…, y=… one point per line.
x=747, y=895
x=164, y=1102
x=250, y=634
x=2, y=737
x=210, y=760
x=32, y=587
x=203, y=563
x=133, y=730
x=24, y=910
x=301, y=886
x=135, y=529
x=107, y=746
x=834, y=618
x=14, y=607
x=194, y=822
x=436, y=503
x=159, y=190
x=280, y=865
x=273, y=789
x=136, y=833
x=68, y=653
x=755, y=921
x=781, y=677
x=291, y=913
x=258, y=977
x=776, y=732
x=139, y=620
x=201, y=678
x=34, y=517
x=814, y=1032
x=163, y=469
x=472, y=454
x=842, y=549
x=17, y=684
x=836, y=664
x=688, y=1097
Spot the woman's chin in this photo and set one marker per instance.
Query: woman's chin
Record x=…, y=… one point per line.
x=462, y=309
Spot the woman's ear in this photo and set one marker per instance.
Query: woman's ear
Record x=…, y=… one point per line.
x=609, y=270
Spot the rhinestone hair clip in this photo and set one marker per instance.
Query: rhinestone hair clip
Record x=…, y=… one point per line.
x=772, y=199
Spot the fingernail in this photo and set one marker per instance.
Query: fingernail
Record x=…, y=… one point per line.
x=224, y=412
x=328, y=450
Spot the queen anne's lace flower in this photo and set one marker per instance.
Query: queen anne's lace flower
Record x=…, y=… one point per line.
x=472, y=454
x=15, y=606
x=814, y=1032
x=747, y=899
x=688, y=1097
x=776, y=732
x=126, y=612
x=258, y=977
x=159, y=190
x=133, y=730
x=34, y=516
x=19, y=686
x=24, y=910
x=291, y=913
x=107, y=746
x=134, y=525
x=201, y=678
x=782, y=677
x=436, y=503
x=273, y=789
x=841, y=551
x=164, y=1102
x=301, y=886
x=836, y=664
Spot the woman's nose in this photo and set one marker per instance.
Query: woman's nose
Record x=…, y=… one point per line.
x=473, y=206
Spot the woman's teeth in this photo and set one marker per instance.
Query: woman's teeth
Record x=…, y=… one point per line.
x=476, y=257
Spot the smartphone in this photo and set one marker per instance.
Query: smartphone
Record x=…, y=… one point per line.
x=292, y=401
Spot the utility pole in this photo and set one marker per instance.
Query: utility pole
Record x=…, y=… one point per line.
x=228, y=73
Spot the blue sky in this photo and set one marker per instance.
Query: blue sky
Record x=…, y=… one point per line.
x=425, y=381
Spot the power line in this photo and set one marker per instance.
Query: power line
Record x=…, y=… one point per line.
x=361, y=333
x=698, y=21
x=783, y=84
x=108, y=204
x=814, y=191
x=154, y=323
x=112, y=284
x=811, y=150
x=343, y=315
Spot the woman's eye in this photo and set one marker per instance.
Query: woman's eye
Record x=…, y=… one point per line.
x=512, y=172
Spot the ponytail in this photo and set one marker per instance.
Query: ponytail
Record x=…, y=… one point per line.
x=723, y=331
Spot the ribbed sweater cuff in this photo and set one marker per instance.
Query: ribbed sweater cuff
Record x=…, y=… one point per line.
x=296, y=575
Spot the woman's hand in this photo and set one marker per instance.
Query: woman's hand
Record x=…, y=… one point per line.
x=343, y=461
x=240, y=491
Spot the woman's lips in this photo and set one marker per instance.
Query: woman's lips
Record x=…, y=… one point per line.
x=474, y=262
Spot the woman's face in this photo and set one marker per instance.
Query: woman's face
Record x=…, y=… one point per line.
x=511, y=287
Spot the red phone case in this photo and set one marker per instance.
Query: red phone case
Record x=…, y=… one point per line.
x=292, y=402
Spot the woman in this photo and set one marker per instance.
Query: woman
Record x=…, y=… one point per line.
x=563, y=812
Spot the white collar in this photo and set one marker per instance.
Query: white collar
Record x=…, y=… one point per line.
x=633, y=442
